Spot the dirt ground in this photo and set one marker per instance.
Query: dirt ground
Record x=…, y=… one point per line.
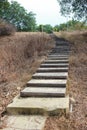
x=77, y=83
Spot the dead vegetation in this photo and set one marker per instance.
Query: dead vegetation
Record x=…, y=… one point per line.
x=20, y=55
x=77, y=84
x=19, y=60
x=6, y=28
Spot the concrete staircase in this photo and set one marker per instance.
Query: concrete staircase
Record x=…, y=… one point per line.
x=45, y=93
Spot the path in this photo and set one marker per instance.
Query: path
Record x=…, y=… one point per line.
x=45, y=94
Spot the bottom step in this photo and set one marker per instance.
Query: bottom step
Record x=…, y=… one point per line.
x=25, y=122
x=42, y=106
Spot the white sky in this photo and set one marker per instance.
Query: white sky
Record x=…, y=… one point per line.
x=47, y=11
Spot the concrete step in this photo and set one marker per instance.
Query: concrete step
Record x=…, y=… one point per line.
x=55, y=65
x=61, y=52
x=59, y=55
x=43, y=92
x=55, y=75
x=25, y=122
x=61, y=49
x=57, y=58
x=44, y=106
x=56, y=61
x=44, y=70
x=61, y=46
x=47, y=83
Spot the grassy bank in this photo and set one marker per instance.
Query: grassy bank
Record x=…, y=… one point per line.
x=77, y=84
x=20, y=55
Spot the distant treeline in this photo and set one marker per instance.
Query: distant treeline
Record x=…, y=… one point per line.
x=71, y=25
x=13, y=13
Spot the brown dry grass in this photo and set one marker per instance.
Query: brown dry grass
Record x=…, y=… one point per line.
x=77, y=84
x=20, y=55
x=6, y=28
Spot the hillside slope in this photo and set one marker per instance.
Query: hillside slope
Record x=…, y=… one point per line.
x=20, y=55
x=77, y=83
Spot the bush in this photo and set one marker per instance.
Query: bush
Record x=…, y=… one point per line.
x=6, y=29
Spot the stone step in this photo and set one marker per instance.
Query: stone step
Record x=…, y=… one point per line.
x=59, y=46
x=43, y=92
x=56, y=61
x=56, y=75
x=57, y=58
x=25, y=122
x=44, y=70
x=61, y=49
x=57, y=55
x=61, y=52
x=55, y=65
x=45, y=106
x=47, y=83
x=62, y=44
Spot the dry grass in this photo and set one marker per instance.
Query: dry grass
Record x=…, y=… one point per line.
x=77, y=84
x=20, y=50
x=20, y=55
x=6, y=28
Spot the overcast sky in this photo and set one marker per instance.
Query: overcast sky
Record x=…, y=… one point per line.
x=47, y=11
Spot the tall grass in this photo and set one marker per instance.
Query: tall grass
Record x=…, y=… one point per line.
x=6, y=28
x=19, y=51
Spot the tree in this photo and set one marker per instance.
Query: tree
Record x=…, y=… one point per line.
x=72, y=25
x=45, y=28
x=4, y=5
x=76, y=7
x=48, y=28
x=29, y=22
x=17, y=15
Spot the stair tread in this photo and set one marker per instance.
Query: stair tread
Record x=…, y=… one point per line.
x=54, y=69
x=33, y=105
x=47, y=82
x=51, y=75
x=43, y=92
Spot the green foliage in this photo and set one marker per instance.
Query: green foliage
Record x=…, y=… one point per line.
x=76, y=7
x=17, y=15
x=4, y=6
x=45, y=28
x=48, y=28
x=71, y=25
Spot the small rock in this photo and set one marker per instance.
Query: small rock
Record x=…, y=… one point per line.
x=18, y=88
